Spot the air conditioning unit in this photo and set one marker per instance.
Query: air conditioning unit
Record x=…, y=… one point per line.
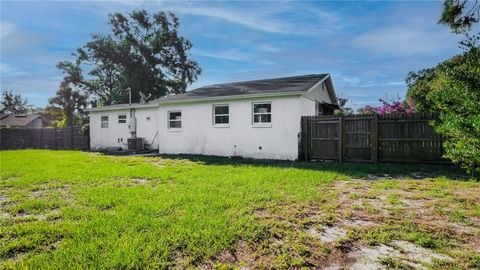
x=135, y=144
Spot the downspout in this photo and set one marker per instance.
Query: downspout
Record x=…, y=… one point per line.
x=133, y=120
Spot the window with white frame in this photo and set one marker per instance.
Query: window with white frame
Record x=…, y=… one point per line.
x=262, y=113
x=221, y=115
x=122, y=119
x=104, y=121
x=175, y=119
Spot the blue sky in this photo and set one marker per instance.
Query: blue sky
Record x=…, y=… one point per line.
x=367, y=47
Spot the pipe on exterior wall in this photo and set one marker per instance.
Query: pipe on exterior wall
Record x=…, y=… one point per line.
x=133, y=124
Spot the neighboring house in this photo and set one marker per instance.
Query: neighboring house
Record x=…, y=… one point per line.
x=257, y=119
x=23, y=121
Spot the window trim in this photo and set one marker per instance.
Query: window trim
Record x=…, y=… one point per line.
x=102, y=122
x=261, y=124
x=118, y=118
x=214, y=124
x=170, y=120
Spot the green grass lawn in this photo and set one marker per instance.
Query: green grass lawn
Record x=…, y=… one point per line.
x=69, y=209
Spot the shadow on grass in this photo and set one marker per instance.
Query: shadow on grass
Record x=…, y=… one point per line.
x=354, y=170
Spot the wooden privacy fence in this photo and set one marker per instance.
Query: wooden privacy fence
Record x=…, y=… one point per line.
x=371, y=138
x=43, y=138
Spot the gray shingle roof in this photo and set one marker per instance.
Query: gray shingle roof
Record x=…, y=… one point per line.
x=18, y=120
x=276, y=85
x=299, y=84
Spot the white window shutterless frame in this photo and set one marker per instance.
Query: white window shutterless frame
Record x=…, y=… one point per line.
x=122, y=119
x=262, y=114
x=104, y=122
x=221, y=115
x=174, y=120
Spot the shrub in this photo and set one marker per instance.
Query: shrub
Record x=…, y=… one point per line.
x=456, y=97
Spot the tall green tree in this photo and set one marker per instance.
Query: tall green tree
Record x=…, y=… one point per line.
x=13, y=103
x=456, y=96
x=452, y=89
x=144, y=52
x=72, y=102
x=105, y=76
x=156, y=46
x=54, y=115
x=460, y=15
x=419, y=86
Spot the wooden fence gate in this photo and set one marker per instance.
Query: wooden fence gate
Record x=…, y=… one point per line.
x=371, y=138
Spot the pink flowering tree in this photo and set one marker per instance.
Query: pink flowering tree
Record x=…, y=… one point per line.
x=392, y=106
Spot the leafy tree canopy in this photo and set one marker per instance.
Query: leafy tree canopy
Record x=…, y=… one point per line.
x=144, y=53
x=452, y=89
x=456, y=96
x=52, y=114
x=72, y=102
x=460, y=15
x=13, y=103
x=418, y=84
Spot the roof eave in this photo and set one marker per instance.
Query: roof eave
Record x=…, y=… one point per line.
x=114, y=108
x=234, y=97
x=330, y=89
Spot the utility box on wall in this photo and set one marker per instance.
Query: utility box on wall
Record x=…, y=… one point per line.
x=135, y=144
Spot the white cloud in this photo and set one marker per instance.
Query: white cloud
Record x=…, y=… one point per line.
x=407, y=39
x=366, y=82
x=13, y=39
x=7, y=70
x=231, y=55
x=36, y=89
x=269, y=17
x=249, y=20
x=268, y=48
x=6, y=30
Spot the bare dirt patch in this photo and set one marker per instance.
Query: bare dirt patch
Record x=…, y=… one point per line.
x=361, y=225
x=328, y=234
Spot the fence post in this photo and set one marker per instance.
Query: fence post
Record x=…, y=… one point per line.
x=375, y=139
x=300, y=141
x=340, y=139
x=73, y=137
x=305, y=138
x=55, y=137
x=308, y=128
x=41, y=138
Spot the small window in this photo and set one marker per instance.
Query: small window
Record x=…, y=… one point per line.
x=122, y=119
x=104, y=122
x=221, y=115
x=262, y=113
x=175, y=119
x=148, y=118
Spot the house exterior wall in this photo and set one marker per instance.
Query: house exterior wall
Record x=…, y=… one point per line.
x=307, y=107
x=147, y=125
x=198, y=135
x=117, y=133
x=319, y=93
x=37, y=123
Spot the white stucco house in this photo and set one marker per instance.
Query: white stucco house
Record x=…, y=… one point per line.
x=256, y=119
